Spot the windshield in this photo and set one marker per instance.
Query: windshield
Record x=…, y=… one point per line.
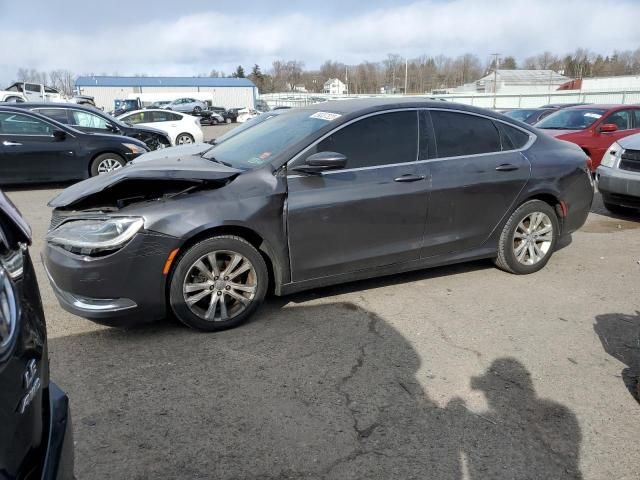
x=261, y=143
x=521, y=115
x=570, y=119
x=245, y=126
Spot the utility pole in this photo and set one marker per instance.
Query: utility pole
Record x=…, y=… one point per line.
x=495, y=76
x=406, y=71
x=346, y=77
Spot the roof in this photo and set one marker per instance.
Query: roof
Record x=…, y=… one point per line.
x=104, y=81
x=526, y=76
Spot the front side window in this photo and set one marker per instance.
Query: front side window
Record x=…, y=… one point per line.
x=88, y=120
x=163, y=116
x=621, y=119
x=636, y=118
x=459, y=134
x=19, y=124
x=135, y=118
x=382, y=139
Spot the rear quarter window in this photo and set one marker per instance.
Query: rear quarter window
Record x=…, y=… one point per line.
x=512, y=138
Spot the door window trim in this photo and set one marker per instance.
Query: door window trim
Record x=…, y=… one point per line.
x=532, y=138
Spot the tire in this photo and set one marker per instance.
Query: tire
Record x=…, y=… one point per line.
x=227, y=120
x=214, y=121
x=617, y=209
x=184, y=139
x=197, y=110
x=105, y=163
x=530, y=253
x=228, y=311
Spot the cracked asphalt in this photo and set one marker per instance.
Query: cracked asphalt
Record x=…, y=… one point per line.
x=456, y=372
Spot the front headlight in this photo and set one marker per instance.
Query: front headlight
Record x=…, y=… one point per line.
x=612, y=155
x=133, y=148
x=87, y=237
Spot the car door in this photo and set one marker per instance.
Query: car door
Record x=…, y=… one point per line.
x=623, y=120
x=31, y=152
x=370, y=213
x=166, y=121
x=475, y=179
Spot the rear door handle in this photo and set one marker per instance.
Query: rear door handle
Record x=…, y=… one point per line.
x=7, y=143
x=409, y=178
x=506, y=167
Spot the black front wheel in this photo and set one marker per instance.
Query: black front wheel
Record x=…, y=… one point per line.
x=218, y=283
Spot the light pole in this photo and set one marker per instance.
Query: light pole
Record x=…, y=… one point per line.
x=406, y=71
x=495, y=76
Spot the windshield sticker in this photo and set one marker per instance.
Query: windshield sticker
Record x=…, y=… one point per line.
x=592, y=115
x=328, y=116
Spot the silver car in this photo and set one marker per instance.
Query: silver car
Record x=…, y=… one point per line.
x=187, y=105
x=619, y=175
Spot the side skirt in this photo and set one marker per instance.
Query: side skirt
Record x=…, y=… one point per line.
x=423, y=263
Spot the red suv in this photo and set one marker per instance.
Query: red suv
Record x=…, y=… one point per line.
x=593, y=127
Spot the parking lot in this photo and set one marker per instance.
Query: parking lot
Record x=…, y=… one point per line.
x=456, y=372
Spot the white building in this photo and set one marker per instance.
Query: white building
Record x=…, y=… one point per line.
x=334, y=86
x=515, y=81
x=220, y=92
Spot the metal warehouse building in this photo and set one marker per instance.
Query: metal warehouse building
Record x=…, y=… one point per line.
x=220, y=92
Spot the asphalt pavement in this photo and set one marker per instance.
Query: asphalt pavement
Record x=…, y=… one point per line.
x=455, y=372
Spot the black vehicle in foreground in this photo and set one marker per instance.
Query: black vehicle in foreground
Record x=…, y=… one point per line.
x=36, y=439
x=35, y=148
x=314, y=196
x=92, y=120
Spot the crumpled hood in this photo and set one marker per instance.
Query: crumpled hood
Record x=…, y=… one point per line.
x=173, y=152
x=170, y=165
x=632, y=142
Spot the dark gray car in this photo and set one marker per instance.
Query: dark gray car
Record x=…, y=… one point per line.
x=315, y=196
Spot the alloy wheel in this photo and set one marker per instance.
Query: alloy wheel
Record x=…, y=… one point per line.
x=108, y=165
x=220, y=285
x=532, y=238
x=184, y=139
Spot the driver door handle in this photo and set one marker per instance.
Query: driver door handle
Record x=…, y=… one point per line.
x=7, y=143
x=506, y=167
x=409, y=178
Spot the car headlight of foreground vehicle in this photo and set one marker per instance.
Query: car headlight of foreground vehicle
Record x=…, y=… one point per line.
x=134, y=148
x=612, y=155
x=95, y=236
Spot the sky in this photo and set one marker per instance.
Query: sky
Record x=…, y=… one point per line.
x=190, y=37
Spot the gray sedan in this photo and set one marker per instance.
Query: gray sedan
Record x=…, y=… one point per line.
x=619, y=175
x=314, y=196
x=187, y=105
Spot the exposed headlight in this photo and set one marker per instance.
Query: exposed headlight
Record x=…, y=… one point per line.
x=133, y=148
x=87, y=237
x=612, y=155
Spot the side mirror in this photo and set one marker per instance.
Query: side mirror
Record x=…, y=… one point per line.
x=111, y=127
x=59, y=135
x=319, y=162
x=608, y=128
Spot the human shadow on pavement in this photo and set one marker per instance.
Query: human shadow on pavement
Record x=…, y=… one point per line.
x=620, y=337
x=328, y=391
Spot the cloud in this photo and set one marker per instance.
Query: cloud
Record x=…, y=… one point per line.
x=196, y=43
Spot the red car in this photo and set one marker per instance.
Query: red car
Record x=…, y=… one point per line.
x=593, y=127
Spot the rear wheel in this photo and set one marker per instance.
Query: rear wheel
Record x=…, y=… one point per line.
x=197, y=109
x=528, y=239
x=184, y=138
x=105, y=163
x=218, y=283
x=227, y=120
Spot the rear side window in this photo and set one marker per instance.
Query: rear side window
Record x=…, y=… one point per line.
x=382, y=139
x=459, y=134
x=58, y=114
x=511, y=138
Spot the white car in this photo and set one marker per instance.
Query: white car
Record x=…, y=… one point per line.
x=180, y=127
x=245, y=114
